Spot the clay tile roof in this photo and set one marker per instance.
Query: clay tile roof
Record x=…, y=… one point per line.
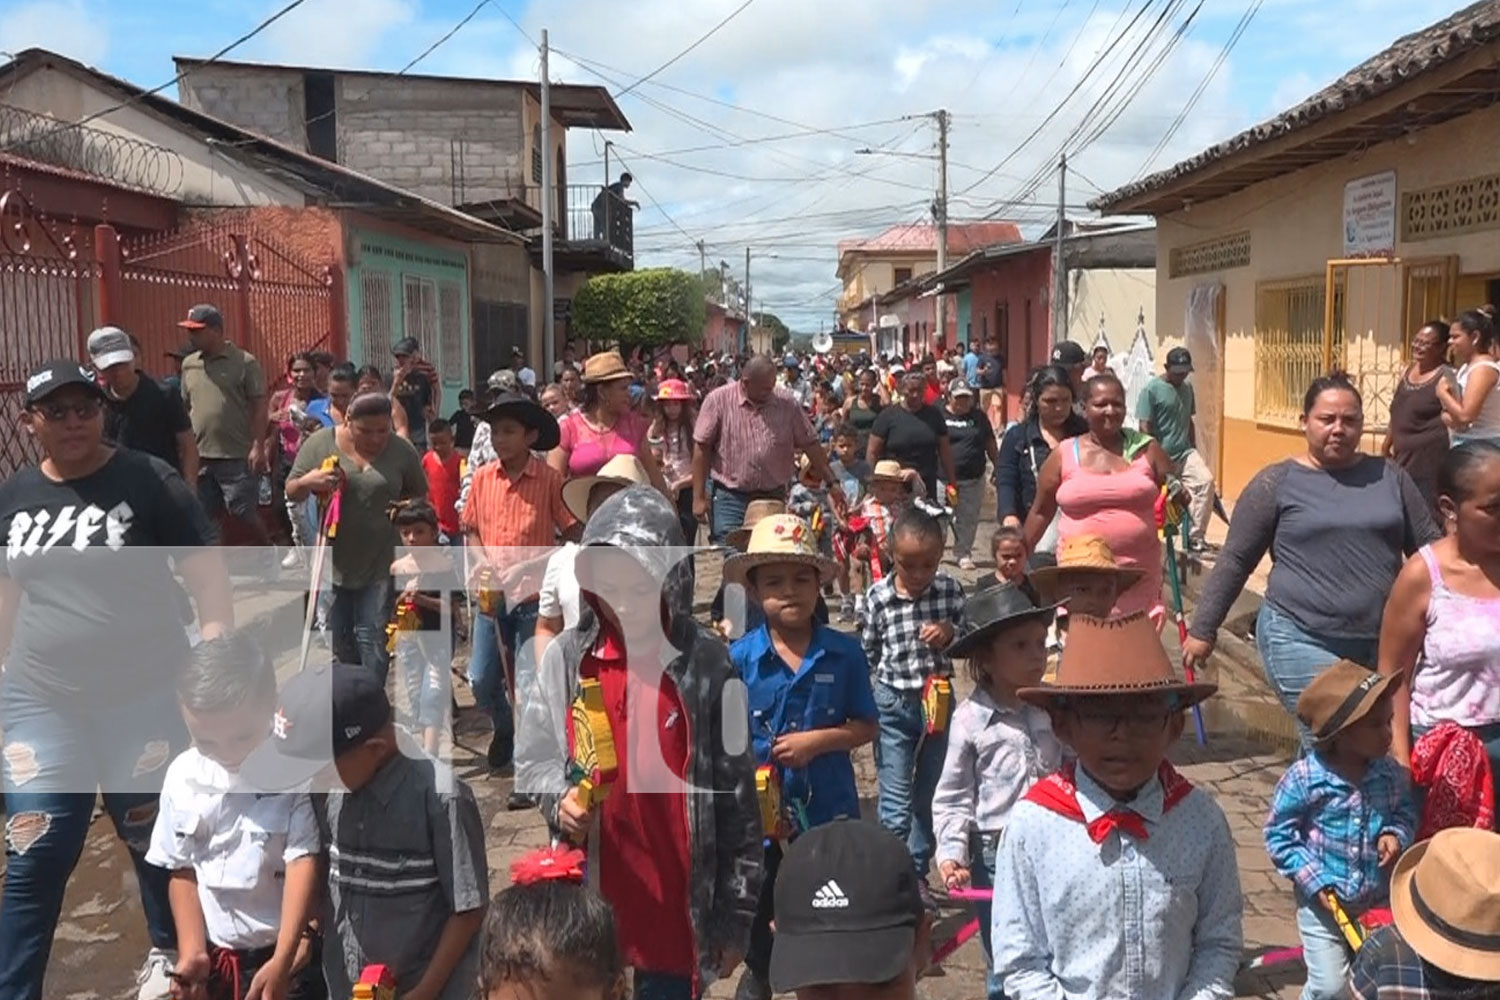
x=963, y=237
x=1408, y=58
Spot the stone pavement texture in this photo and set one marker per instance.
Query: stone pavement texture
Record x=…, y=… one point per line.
x=101, y=939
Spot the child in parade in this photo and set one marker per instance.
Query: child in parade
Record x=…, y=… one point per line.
x=444, y=468
x=1116, y=877
x=1445, y=905
x=407, y=880
x=809, y=499
x=851, y=463
x=244, y=866
x=998, y=746
x=810, y=706
x=865, y=545
x=1341, y=816
x=1008, y=550
x=421, y=629
x=550, y=937
x=910, y=618
x=666, y=803
x=733, y=611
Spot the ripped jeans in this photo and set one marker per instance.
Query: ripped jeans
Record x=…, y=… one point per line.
x=54, y=757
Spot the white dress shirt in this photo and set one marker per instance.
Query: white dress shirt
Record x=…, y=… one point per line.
x=1157, y=919
x=237, y=843
x=995, y=753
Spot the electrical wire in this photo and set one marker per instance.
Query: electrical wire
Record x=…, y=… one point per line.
x=703, y=38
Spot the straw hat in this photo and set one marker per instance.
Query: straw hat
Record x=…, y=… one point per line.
x=756, y=511
x=1114, y=657
x=1445, y=898
x=1082, y=553
x=674, y=390
x=992, y=610
x=623, y=470
x=780, y=538
x=606, y=366
x=1339, y=697
x=888, y=470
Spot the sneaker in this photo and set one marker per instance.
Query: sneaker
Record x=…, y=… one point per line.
x=154, y=982
x=752, y=987
x=966, y=563
x=292, y=559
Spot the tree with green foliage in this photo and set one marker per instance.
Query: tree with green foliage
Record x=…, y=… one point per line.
x=652, y=308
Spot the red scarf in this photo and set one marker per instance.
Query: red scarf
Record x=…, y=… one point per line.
x=1059, y=793
x=1451, y=764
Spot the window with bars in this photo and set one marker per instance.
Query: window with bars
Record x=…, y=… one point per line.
x=378, y=336
x=1291, y=345
x=451, y=335
x=420, y=311
x=536, y=154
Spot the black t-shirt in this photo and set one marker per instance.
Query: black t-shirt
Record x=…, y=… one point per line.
x=99, y=622
x=463, y=429
x=149, y=420
x=991, y=371
x=414, y=392
x=912, y=438
x=971, y=435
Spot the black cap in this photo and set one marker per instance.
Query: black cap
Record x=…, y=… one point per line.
x=203, y=315
x=406, y=346
x=531, y=414
x=1179, y=361
x=322, y=712
x=59, y=374
x=1069, y=353
x=847, y=908
x=992, y=610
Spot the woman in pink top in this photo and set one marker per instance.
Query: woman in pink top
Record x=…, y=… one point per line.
x=604, y=425
x=1106, y=483
x=1445, y=605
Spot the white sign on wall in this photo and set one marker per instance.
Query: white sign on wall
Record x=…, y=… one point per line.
x=1370, y=216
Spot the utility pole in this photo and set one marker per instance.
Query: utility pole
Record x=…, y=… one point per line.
x=1059, y=261
x=942, y=220
x=702, y=259
x=749, y=317
x=607, y=144
x=549, y=319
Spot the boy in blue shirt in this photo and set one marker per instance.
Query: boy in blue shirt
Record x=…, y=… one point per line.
x=810, y=705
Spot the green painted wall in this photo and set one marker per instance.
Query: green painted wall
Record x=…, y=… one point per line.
x=394, y=283
x=965, y=314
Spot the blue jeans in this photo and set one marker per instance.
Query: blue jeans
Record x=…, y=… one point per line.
x=425, y=660
x=53, y=755
x=1323, y=950
x=727, y=512
x=982, y=849
x=516, y=628
x=661, y=986
x=356, y=626
x=1293, y=656
x=908, y=763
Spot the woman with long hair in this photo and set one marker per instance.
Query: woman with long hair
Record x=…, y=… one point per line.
x=671, y=439
x=1337, y=524
x=865, y=404
x=1471, y=405
x=605, y=424
x=1106, y=482
x=1417, y=439
x=1047, y=420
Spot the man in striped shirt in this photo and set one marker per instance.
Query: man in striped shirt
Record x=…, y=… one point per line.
x=747, y=439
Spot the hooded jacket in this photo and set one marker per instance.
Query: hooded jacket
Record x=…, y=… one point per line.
x=723, y=815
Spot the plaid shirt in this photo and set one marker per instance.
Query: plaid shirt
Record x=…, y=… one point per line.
x=1322, y=831
x=1387, y=968
x=898, y=659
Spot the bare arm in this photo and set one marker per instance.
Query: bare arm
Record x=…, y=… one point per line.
x=558, y=459
x=399, y=422
x=1044, y=507
x=458, y=932
x=208, y=581
x=260, y=420
x=1465, y=411
x=648, y=460
x=299, y=893
x=548, y=627
x=875, y=450
x=1403, y=628
x=187, y=456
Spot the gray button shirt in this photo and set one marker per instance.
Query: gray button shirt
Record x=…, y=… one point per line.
x=405, y=853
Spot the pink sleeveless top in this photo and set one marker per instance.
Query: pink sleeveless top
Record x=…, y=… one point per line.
x=1458, y=677
x=589, y=449
x=1119, y=507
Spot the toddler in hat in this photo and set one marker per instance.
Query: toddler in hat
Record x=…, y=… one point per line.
x=865, y=545
x=998, y=746
x=1116, y=877
x=1341, y=815
x=1444, y=941
x=810, y=706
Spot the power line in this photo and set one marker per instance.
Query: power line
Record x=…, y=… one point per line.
x=711, y=32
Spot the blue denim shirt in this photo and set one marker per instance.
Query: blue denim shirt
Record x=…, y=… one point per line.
x=832, y=687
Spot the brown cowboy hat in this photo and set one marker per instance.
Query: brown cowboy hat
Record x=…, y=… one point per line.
x=1082, y=554
x=1339, y=697
x=1115, y=656
x=1445, y=898
x=606, y=366
x=755, y=512
x=780, y=538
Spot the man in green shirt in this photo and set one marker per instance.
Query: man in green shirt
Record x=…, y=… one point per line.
x=1165, y=411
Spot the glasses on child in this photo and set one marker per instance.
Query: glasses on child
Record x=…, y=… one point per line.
x=1102, y=722
x=84, y=409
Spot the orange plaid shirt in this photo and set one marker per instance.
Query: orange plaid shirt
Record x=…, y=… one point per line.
x=526, y=512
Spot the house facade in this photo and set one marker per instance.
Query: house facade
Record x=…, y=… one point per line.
x=1325, y=237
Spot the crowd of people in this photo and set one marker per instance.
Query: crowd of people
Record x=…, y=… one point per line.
x=696, y=773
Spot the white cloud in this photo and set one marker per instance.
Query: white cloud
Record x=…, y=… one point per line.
x=68, y=27
x=334, y=33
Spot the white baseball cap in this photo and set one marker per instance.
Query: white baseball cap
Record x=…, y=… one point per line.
x=110, y=346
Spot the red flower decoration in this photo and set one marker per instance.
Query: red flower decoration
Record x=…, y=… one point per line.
x=547, y=865
x=780, y=529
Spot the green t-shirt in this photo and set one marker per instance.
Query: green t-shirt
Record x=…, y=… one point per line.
x=220, y=394
x=1169, y=410
x=365, y=544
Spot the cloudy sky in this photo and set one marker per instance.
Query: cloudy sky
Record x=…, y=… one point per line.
x=752, y=139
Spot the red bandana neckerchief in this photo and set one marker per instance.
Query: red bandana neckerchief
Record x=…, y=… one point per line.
x=1059, y=793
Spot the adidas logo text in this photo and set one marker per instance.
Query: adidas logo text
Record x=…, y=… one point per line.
x=830, y=897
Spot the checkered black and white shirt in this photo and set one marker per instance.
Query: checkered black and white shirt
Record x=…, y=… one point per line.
x=898, y=658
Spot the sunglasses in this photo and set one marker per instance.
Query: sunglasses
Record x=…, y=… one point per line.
x=84, y=409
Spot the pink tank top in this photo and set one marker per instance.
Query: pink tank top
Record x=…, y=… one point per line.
x=588, y=449
x=1119, y=507
x=1458, y=678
